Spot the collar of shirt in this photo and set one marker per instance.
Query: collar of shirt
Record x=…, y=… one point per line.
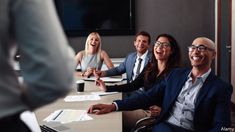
x=203, y=77
x=143, y=56
x=183, y=109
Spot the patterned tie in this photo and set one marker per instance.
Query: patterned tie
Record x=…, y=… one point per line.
x=138, y=67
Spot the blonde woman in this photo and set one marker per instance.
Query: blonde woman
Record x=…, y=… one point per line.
x=92, y=57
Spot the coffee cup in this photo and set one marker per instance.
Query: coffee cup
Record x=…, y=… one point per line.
x=80, y=85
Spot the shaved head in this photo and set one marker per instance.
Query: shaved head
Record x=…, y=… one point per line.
x=203, y=40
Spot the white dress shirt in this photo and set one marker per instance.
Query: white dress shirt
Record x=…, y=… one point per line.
x=143, y=57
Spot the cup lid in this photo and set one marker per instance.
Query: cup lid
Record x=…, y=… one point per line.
x=80, y=81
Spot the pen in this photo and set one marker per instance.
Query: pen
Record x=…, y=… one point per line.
x=89, y=76
x=57, y=115
x=92, y=70
x=96, y=83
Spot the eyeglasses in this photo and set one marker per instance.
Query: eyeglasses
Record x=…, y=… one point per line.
x=200, y=48
x=161, y=44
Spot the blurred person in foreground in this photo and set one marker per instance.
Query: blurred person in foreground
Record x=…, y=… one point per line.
x=46, y=61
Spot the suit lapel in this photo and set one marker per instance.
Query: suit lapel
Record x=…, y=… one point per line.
x=179, y=85
x=132, y=64
x=133, y=61
x=147, y=58
x=175, y=86
x=204, y=89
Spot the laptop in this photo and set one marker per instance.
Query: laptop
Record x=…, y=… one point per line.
x=30, y=120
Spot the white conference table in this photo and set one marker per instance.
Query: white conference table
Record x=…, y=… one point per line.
x=111, y=122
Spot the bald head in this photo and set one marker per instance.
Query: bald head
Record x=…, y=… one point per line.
x=201, y=54
x=206, y=41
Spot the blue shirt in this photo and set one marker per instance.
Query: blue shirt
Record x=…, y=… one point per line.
x=182, y=113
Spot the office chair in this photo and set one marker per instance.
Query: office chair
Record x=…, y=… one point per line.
x=144, y=125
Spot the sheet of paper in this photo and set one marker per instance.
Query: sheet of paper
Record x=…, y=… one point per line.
x=102, y=93
x=30, y=120
x=105, y=79
x=73, y=98
x=68, y=115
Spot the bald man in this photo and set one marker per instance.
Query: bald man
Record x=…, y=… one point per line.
x=191, y=99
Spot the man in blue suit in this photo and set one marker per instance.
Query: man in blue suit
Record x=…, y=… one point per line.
x=130, y=65
x=191, y=100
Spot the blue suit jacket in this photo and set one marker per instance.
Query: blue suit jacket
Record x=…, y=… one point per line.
x=127, y=66
x=212, y=108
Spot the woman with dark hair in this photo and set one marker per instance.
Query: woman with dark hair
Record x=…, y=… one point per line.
x=165, y=56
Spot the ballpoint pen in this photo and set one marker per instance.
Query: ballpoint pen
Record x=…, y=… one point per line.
x=57, y=115
x=96, y=83
x=93, y=70
x=89, y=76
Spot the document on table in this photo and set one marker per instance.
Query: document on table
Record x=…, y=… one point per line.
x=73, y=98
x=68, y=115
x=105, y=79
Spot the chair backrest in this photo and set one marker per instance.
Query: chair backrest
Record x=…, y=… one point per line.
x=144, y=125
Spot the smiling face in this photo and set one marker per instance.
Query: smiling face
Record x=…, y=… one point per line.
x=202, y=59
x=93, y=42
x=162, y=49
x=141, y=44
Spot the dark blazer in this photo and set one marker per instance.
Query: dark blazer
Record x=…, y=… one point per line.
x=127, y=66
x=212, y=108
x=136, y=84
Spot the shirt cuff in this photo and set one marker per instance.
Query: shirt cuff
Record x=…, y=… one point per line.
x=116, y=105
